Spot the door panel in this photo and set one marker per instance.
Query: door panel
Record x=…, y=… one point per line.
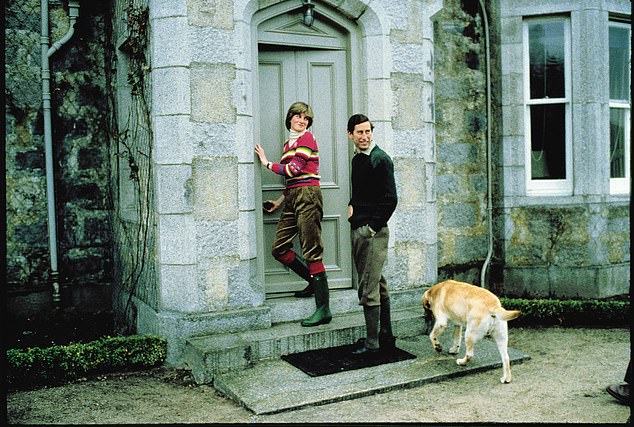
x=319, y=78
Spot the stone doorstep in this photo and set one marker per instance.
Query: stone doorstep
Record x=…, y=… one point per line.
x=273, y=386
x=210, y=355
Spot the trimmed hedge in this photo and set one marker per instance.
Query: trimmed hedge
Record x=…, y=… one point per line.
x=52, y=365
x=550, y=312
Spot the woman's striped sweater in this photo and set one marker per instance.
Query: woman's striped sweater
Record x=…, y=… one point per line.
x=299, y=163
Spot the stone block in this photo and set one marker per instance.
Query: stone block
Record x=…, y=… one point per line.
x=457, y=154
x=375, y=21
x=243, y=93
x=247, y=243
x=246, y=187
x=408, y=58
x=514, y=181
x=478, y=183
x=470, y=248
x=215, y=188
x=171, y=91
x=353, y=8
x=415, y=143
x=89, y=158
x=512, y=60
x=29, y=160
x=212, y=93
x=214, y=281
x=217, y=238
x=380, y=91
x=174, y=189
x=242, y=50
x=511, y=28
x=512, y=88
x=458, y=215
x=170, y=44
x=411, y=182
x=244, y=137
x=590, y=56
x=514, y=151
x=513, y=120
x=213, y=139
x=411, y=225
x=409, y=266
x=590, y=124
x=167, y=8
x=408, y=101
x=448, y=184
x=245, y=290
x=212, y=45
x=172, y=140
x=31, y=233
x=379, y=58
x=97, y=228
x=176, y=239
x=211, y=13
x=178, y=291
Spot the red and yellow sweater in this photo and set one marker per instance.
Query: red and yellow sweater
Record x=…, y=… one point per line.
x=299, y=163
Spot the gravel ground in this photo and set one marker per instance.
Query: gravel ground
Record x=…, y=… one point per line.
x=563, y=382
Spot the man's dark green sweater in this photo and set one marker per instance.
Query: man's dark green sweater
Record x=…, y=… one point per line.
x=373, y=189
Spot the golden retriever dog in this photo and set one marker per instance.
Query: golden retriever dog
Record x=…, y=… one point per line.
x=475, y=308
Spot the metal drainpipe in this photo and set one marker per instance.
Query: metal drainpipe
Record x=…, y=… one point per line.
x=489, y=178
x=73, y=13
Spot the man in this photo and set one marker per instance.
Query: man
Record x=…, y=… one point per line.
x=371, y=206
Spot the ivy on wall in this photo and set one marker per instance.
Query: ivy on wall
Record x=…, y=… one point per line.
x=131, y=166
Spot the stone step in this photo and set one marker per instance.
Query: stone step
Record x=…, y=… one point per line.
x=273, y=385
x=210, y=355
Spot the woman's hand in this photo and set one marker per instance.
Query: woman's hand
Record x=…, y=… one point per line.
x=271, y=206
x=261, y=155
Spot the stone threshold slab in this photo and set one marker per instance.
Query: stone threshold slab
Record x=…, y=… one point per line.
x=272, y=386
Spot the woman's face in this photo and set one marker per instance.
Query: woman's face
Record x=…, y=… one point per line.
x=299, y=122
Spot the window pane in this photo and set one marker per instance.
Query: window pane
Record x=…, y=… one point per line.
x=546, y=56
x=617, y=143
x=548, y=141
x=619, y=63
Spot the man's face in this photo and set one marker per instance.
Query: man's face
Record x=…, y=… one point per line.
x=361, y=136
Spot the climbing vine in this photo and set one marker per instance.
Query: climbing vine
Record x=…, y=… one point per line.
x=131, y=144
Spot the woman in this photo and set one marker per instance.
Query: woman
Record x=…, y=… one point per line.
x=303, y=209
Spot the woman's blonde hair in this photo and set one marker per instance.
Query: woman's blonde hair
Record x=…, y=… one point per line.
x=299, y=108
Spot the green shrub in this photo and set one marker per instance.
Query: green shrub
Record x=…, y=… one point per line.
x=549, y=312
x=34, y=366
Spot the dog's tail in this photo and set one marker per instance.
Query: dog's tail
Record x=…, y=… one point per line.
x=507, y=314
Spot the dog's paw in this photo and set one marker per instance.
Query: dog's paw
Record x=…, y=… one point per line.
x=462, y=361
x=505, y=379
x=454, y=350
x=438, y=348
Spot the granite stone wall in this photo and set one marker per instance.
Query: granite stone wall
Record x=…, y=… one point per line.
x=80, y=143
x=460, y=108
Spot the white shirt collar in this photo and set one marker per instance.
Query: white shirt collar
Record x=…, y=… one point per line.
x=368, y=150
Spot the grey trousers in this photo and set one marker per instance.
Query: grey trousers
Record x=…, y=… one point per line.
x=369, y=255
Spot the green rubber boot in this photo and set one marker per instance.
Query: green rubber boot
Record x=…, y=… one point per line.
x=371, y=344
x=387, y=340
x=322, y=314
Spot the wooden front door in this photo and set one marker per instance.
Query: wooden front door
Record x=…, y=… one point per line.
x=318, y=77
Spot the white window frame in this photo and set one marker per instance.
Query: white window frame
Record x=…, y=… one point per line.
x=548, y=187
x=622, y=185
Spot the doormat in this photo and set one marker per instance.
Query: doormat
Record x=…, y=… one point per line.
x=331, y=360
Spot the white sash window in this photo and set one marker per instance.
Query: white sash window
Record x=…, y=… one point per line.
x=548, y=146
x=620, y=55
